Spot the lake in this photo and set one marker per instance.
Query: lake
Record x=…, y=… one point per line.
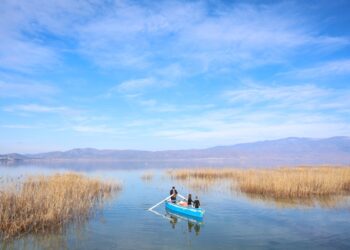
x=232, y=221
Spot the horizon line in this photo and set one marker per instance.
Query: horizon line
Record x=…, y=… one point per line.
x=226, y=145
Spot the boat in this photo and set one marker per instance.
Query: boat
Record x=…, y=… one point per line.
x=184, y=210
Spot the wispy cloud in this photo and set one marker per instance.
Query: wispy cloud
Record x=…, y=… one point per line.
x=278, y=93
x=249, y=132
x=326, y=69
x=26, y=56
x=134, y=89
x=93, y=129
x=135, y=85
x=303, y=97
x=18, y=51
x=20, y=126
x=26, y=90
x=260, y=111
x=36, y=108
x=195, y=35
x=192, y=36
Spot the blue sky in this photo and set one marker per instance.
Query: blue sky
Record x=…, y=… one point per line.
x=171, y=74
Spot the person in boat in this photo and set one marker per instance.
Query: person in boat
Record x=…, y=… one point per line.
x=173, y=193
x=196, y=202
x=189, y=200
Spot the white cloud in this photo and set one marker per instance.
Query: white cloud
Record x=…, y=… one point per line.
x=139, y=36
x=134, y=89
x=20, y=126
x=17, y=51
x=258, y=112
x=248, y=132
x=242, y=34
x=326, y=69
x=303, y=97
x=136, y=85
x=20, y=55
x=36, y=108
x=262, y=93
x=93, y=129
x=229, y=126
x=26, y=89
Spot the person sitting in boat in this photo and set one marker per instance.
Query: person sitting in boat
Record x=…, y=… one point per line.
x=189, y=200
x=196, y=202
x=173, y=193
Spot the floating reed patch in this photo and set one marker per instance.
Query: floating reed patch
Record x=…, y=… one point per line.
x=199, y=184
x=44, y=203
x=300, y=182
x=200, y=179
x=147, y=176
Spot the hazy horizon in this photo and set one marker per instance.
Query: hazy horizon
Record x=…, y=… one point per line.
x=184, y=149
x=171, y=75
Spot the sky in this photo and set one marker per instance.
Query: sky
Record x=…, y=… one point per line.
x=155, y=75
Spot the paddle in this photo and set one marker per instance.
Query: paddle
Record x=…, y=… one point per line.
x=151, y=208
x=160, y=202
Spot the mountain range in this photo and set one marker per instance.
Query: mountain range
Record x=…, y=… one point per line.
x=283, y=152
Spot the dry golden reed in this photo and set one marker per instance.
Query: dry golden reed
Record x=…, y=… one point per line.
x=45, y=203
x=298, y=182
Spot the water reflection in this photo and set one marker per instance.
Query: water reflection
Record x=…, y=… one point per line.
x=192, y=222
x=173, y=221
x=320, y=201
x=191, y=225
x=195, y=226
x=54, y=239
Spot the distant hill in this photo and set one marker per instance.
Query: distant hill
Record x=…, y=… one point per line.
x=288, y=151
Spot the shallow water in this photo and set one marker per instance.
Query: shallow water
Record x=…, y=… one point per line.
x=231, y=221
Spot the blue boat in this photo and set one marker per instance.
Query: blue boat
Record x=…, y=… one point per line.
x=185, y=210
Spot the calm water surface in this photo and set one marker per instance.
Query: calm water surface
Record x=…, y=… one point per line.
x=231, y=221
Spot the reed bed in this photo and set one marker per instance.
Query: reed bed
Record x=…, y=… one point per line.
x=298, y=182
x=44, y=203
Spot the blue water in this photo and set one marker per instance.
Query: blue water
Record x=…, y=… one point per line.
x=231, y=221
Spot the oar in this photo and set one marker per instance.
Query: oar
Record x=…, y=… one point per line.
x=155, y=212
x=160, y=202
x=182, y=197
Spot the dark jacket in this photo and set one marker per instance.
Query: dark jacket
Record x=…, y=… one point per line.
x=196, y=203
x=189, y=201
x=173, y=191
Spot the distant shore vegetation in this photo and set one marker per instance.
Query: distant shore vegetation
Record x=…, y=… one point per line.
x=280, y=183
x=41, y=204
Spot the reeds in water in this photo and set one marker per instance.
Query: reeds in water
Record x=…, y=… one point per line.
x=296, y=182
x=299, y=182
x=45, y=203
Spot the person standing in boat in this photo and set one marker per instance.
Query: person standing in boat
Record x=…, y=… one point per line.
x=196, y=202
x=173, y=193
x=189, y=200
